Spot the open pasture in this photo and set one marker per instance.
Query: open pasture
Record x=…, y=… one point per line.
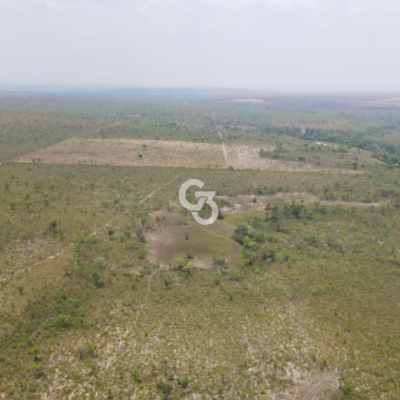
x=163, y=153
x=181, y=237
x=129, y=152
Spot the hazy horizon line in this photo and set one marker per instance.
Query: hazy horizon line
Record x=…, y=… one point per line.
x=11, y=87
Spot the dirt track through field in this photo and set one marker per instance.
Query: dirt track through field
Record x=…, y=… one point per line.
x=158, y=190
x=164, y=153
x=224, y=149
x=95, y=232
x=83, y=150
x=222, y=139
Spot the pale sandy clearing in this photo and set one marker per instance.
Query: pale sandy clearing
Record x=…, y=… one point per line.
x=129, y=152
x=162, y=153
x=246, y=156
x=245, y=203
x=327, y=144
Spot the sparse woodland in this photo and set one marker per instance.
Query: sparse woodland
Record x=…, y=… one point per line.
x=109, y=290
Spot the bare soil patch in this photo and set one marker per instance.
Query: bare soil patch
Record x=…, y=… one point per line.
x=314, y=384
x=161, y=153
x=257, y=203
x=335, y=146
x=247, y=156
x=129, y=152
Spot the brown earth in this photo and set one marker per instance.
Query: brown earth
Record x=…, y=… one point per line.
x=257, y=203
x=160, y=153
x=129, y=152
x=246, y=156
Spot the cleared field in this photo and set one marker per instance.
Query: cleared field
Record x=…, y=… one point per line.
x=245, y=203
x=246, y=156
x=129, y=152
x=161, y=153
x=175, y=239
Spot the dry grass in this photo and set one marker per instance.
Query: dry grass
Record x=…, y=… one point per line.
x=176, y=236
x=246, y=156
x=160, y=153
x=270, y=345
x=244, y=203
x=130, y=152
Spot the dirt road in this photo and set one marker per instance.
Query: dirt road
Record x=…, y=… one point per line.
x=222, y=139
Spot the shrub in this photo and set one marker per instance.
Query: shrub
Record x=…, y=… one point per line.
x=187, y=270
x=142, y=253
x=63, y=321
x=184, y=382
x=345, y=388
x=241, y=231
x=140, y=235
x=268, y=255
x=136, y=375
x=96, y=275
x=164, y=388
x=294, y=209
x=220, y=264
x=272, y=212
x=87, y=351
x=35, y=353
x=37, y=370
x=179, y=263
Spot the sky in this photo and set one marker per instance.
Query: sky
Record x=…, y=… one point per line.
x=273, y=45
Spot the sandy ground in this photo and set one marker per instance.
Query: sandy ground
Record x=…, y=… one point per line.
x=257, y=203
x=246, y=156
x=129, y=152
x=161, y=153
x=327, y=144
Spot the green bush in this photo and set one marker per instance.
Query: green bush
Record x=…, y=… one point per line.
x=63, y=321
x=37, y=370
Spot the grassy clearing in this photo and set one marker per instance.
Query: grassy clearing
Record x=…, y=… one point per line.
x=266, y=155
x=204, y=245
x=127, y=152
